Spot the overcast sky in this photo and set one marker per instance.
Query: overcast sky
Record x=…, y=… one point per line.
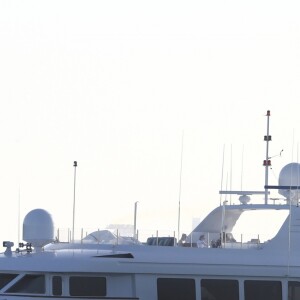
x=114, y=84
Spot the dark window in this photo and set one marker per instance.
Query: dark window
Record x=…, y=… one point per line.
x=29, y=284
x=6, y=278
x=87, y=286
x=219, y=289
x=176, y=289
x=56, y=286
x=262, y=290
x=294, y=290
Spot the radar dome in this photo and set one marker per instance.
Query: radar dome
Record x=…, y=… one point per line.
x=290, y=176
x=38, y=228
x=244, y=199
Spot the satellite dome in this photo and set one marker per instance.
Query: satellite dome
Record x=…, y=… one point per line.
x=244, y=199
x=290, y=176
x=38, y=228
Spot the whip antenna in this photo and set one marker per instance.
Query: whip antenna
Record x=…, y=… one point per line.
x=75, y=166
x=180, y=176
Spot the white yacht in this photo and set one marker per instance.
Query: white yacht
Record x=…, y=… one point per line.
x=105, y=266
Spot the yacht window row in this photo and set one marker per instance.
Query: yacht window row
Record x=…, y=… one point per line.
x=36, y=284
x=167, y=288
x=224, y=289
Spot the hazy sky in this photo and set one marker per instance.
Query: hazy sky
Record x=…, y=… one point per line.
x=113, y=84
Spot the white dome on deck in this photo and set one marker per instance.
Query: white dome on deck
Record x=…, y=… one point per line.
x=38, y=228
x=290, y=176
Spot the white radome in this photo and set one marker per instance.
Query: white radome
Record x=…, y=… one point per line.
x=38, y=228
x=290, y=176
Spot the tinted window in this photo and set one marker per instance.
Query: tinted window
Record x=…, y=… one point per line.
x=87, y=286
x=294, y=290
x=176, y=289
x=219, y=289
x=29, y=284
x=6, y=278
x=56, y=286
x=262, y=290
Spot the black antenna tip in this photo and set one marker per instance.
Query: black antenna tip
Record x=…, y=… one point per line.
x=75, y=164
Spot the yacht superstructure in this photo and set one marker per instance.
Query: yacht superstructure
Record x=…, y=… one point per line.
x=224, y=267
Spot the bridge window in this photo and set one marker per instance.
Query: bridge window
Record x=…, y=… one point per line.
x=219, y=289
x=56, y=286
x=176, y=289
x=294, y=290
x=6, y=278
x=262, y=290
x=87, y=286
x=29, y=284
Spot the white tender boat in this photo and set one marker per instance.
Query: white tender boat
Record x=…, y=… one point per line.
x=103, y=266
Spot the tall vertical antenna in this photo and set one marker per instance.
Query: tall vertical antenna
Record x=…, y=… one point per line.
x=75, y=166
x=242, y=170
x=230, y=173
x=19, y=212
x=134, y=221
x=180, y=176
x=267, y=161
x=222, y=174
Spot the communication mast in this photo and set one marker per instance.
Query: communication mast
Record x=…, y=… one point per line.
x=267, y=161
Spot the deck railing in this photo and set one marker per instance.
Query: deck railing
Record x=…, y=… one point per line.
x=163, y=238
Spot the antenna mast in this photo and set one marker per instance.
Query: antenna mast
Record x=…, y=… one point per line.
x=180, y=178
x=75, y=166
x=267, y=161
x=222, y=174
x=134, y=224
x=19, y=210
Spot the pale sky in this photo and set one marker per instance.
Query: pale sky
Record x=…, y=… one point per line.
x=114, y=84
